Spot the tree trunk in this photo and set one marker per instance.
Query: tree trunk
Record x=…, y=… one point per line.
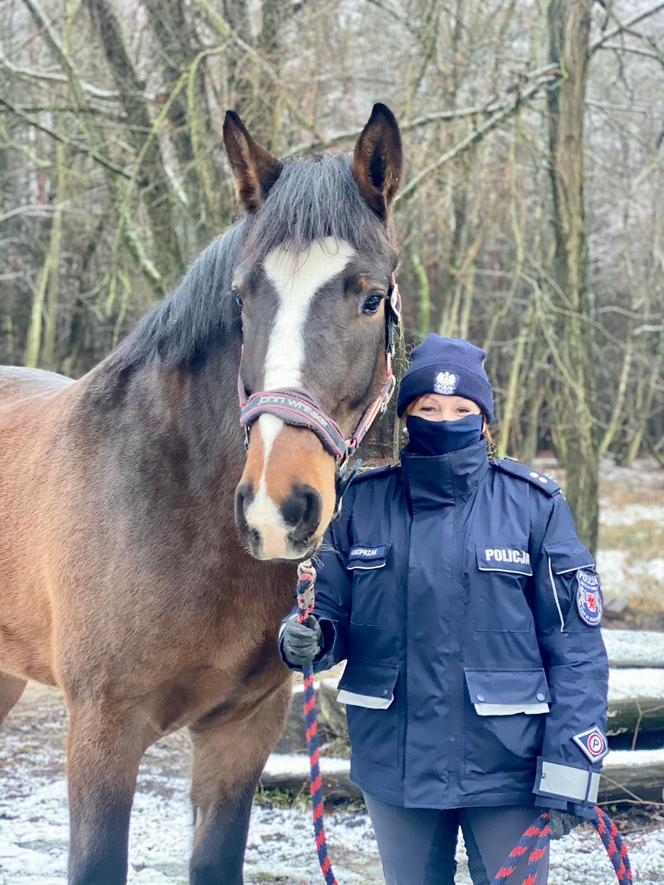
x=572, y=336
x=157, y=193
x=178, y=42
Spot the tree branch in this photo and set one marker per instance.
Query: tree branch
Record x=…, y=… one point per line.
x=546, y=76
x=624, y=26
x=80, y=148
x=89, y=88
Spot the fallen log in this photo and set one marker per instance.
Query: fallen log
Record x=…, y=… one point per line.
x=634, y=648
x=291, y=772
x=636, y=700
x=627, y=776
x=633, y=775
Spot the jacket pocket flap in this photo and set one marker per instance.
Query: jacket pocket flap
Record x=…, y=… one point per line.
x=568, y=556
x=368, y=685
x=368, y=556
x=508, y=687
x=503, y=558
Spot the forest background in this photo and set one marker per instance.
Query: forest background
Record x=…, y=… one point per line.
x=530, y=215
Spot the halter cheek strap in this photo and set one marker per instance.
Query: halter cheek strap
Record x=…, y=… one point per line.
x=299, y=409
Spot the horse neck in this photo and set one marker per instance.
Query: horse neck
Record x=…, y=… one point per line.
x=175, y=429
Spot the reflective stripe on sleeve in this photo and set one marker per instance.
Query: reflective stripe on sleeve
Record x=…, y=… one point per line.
x=555, y=596
x=566, y=782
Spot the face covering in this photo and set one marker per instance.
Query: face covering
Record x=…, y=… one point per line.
x=441, y=437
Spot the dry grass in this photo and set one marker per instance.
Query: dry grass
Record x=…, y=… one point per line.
x=643, y=540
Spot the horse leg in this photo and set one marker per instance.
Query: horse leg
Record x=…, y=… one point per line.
x=228, y=759
x=103, y=754
x=11, y=689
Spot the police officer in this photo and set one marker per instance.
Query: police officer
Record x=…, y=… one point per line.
x=468, y=611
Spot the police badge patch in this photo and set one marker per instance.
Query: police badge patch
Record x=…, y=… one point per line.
x=445, y=382
x=592, y=743
x=589, y=596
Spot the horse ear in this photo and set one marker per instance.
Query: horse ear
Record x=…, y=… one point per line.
x=378, y=159
x=254, y=168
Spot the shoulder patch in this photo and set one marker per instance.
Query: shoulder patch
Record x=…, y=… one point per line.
x=592, y=743
x=589, y=596
x=522, y=471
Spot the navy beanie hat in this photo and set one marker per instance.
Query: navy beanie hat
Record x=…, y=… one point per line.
x=447, y=366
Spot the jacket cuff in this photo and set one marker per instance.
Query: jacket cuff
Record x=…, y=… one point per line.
x=332, y=651
x=585, y=811
x=547, y=802
x=566, y=782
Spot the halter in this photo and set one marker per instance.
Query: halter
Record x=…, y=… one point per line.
x=298, y=408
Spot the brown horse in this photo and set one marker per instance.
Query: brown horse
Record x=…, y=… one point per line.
x=123, y=578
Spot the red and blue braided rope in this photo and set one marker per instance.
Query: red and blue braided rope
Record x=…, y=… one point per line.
x=315, y=780
x=305, y=599
x=536, y=838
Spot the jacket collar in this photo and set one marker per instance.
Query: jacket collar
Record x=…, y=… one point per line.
x=432, y=480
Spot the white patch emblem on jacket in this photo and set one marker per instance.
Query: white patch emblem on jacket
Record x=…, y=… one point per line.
x=445, y=382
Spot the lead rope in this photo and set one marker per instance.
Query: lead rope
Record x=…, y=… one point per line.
x=536, y=839
x=306, y=578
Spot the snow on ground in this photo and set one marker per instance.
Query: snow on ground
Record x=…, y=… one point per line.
x=635, y=682
x=630, y=513
x=33, y=799
x=34, y=832
x=622, y=574
x=33, y=844
x=634, y=647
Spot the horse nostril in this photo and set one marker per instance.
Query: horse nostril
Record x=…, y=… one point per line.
x=244, y=495
x=302, y=510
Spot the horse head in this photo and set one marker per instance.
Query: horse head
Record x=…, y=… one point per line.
x=315, y=284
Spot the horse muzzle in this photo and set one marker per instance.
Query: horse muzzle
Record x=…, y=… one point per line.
x=286, y=496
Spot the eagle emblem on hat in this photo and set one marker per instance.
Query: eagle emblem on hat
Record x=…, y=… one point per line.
x=445, y=382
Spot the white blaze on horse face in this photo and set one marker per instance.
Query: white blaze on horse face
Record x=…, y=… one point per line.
x=296, y=279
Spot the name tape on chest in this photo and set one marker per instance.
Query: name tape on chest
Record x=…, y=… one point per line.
x=367, y=557
x=367, y=552
x=589, y=596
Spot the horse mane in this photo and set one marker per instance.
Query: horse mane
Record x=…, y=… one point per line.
x=312, y=198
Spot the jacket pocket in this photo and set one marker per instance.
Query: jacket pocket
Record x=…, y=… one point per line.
x=498, y=581
x=565, y=559
x=505, y=721
x=368, y=692
x=568, y=556
x=368, y=565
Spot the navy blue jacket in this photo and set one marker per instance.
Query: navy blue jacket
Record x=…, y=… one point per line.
x=468, y=612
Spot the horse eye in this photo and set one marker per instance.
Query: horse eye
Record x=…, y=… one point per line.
x=236, y=295
x=372, y=303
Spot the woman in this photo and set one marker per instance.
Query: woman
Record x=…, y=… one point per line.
x=468, y=612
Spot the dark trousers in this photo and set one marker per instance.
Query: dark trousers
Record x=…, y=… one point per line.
x=417, y=845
